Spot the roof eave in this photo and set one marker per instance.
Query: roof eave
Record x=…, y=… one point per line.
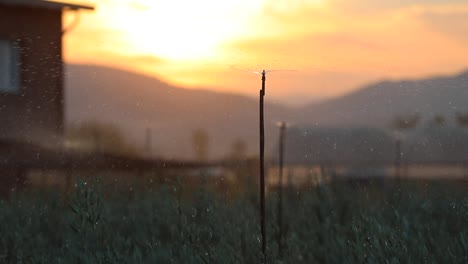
x=73, y=7
x=46, y=4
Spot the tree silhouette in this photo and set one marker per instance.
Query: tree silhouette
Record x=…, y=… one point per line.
x=438, y=120
x=238, y=150
x=200, y=143
x=402, y=124
x=462, y=119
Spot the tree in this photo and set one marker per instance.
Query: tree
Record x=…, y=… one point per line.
x=238, y=150
x=402, y=124
x=200, y=143
x=438, y=120
x=462, y=119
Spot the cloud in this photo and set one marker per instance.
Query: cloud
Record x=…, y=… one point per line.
x=149, y=59
x=382, y=6
x=139, y=6
x=400, y=39
x=340, y=51
x=453, y=22
x=337, y=45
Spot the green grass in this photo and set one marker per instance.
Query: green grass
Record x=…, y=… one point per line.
x=334, y=223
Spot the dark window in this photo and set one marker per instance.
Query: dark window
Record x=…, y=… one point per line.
x=9, y=67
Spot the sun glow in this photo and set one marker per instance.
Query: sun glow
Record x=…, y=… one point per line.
x=336, y=45
x=182, y=30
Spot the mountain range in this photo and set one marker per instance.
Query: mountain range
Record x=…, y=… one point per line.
x=137, y=104
x=377, y=104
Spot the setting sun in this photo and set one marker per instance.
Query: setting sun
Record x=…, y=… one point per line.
x=181, y=30
x=233, y=131
x=336, y=45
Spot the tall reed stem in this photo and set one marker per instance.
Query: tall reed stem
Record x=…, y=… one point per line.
x=262, y=169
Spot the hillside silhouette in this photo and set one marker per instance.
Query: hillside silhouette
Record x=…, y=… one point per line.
x=377, y=104
x=135, y=102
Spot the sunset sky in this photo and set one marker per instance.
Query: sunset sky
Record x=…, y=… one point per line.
x=335, y=45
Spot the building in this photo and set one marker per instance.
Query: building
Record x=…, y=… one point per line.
x=31, y=70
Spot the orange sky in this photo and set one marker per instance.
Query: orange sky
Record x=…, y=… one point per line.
x=335, y=45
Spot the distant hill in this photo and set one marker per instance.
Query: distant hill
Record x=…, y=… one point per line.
x=377, y=104
x=136, y=102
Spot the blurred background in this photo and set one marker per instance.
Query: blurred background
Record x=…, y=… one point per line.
x=146, y=98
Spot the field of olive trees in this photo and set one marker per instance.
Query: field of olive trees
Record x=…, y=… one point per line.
x=337, y=222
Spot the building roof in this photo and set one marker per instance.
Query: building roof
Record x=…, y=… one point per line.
x=45, y=4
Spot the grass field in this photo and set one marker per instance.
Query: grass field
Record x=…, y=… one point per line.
x=338, y=222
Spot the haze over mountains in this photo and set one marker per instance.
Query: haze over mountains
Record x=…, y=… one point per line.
x=377, y=104
x=136, y=102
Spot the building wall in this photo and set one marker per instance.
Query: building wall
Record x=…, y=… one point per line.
x=35, y=113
